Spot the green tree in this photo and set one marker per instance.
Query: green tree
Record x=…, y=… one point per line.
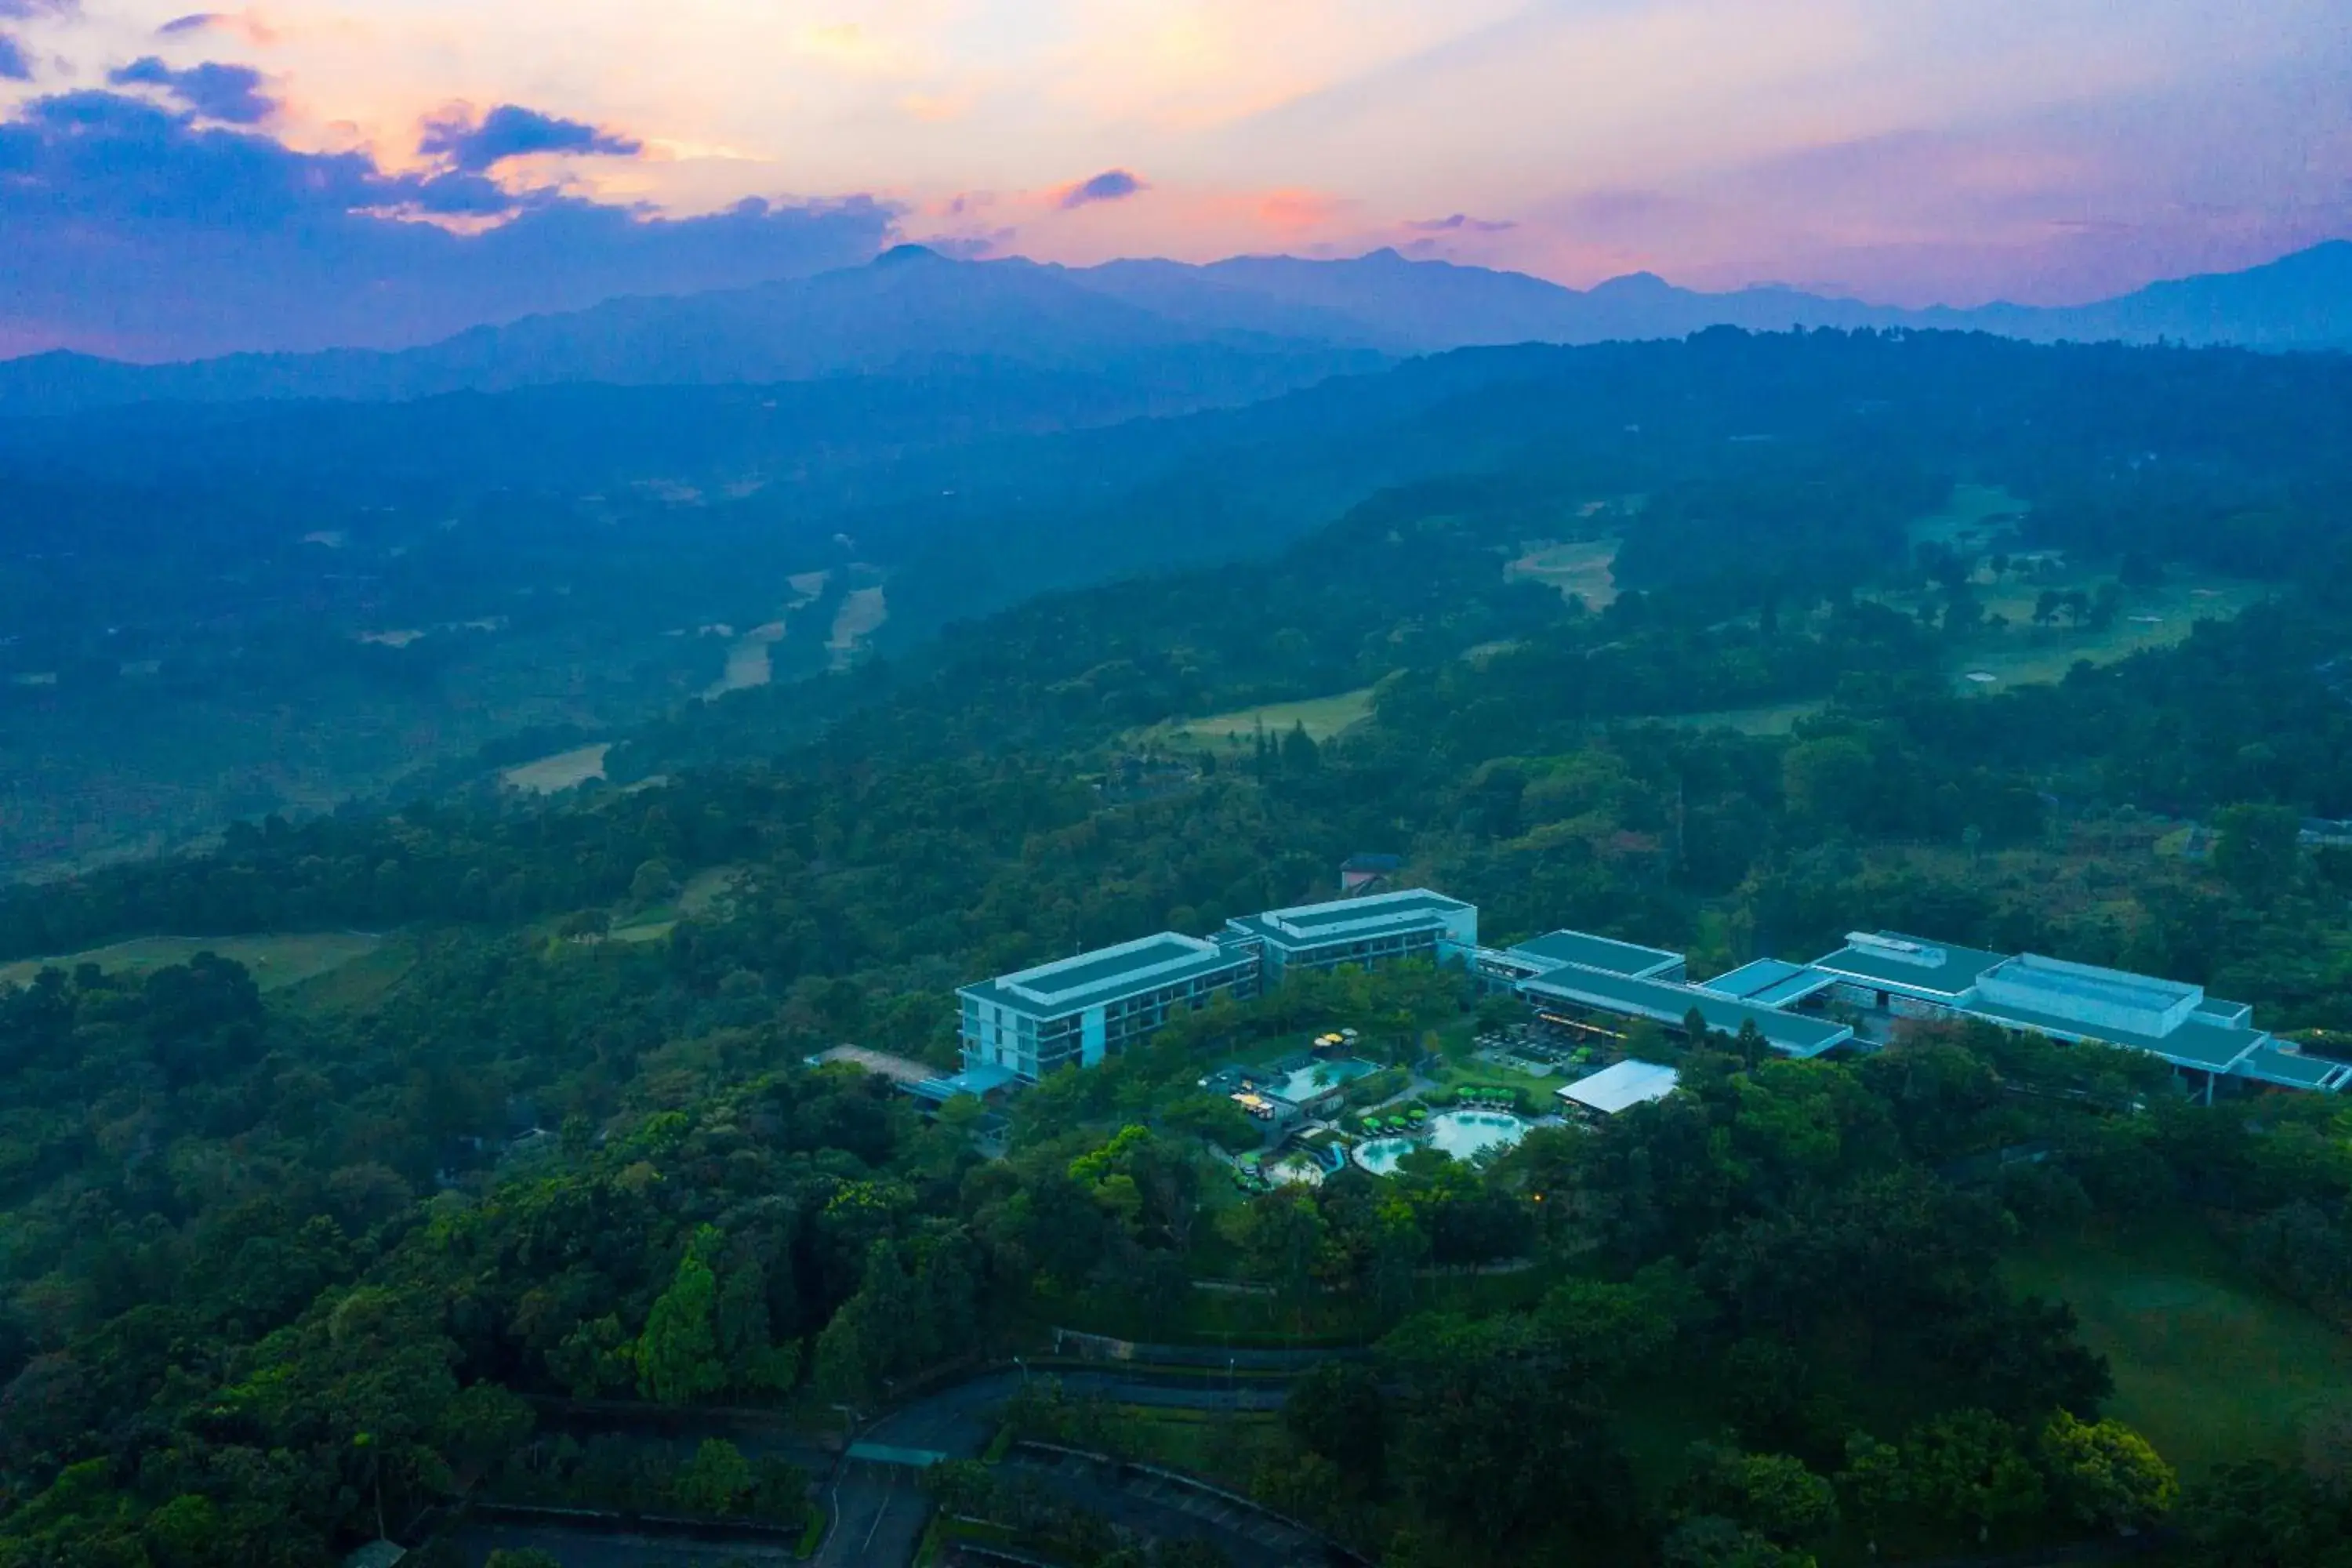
x=718, y=1481
x=2105, y=1474
x=1827, y=780
x=1971, y=1471
x=678, y=1356
x=1773, y=1494
x=1280, y=1235
x=1710, y=1540
x=1337, y=1411
x=1300, y=754
x=2255, y=848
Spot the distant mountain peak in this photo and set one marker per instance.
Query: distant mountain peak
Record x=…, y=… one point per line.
x=1635, y=283
x=1260, y=322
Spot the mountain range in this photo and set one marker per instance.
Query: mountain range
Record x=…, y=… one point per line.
x=1180, y=334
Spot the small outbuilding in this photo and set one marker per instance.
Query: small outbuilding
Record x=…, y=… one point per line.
x=1615, y=1088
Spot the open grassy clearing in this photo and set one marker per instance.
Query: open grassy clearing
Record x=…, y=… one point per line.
x=1323, y=716
x=704, y=892
x=277, y=960
x=862, y=613
x=748, y=661
x=564, y=769
x=1971, y=517
x=1771, y=719
x=353, y=986
x=1580, y=569
x=2154, y=617
x=2010, y=649
x=2209, y=1364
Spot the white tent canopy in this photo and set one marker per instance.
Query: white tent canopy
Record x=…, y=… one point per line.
x=1613, y=1089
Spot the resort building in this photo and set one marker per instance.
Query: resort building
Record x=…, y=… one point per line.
x=1539, y=955
x=1375, y=929
x=1574, y=998
x=1885, y=976
x=1080, y=1009
x=1076, y=1010
x=1582, y=983
x=1618, y=1088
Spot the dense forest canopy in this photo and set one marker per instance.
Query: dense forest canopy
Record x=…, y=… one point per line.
x=219, y=611
x=1671, y=642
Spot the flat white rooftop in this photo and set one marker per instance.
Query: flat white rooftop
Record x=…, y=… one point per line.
x=1628, y=1083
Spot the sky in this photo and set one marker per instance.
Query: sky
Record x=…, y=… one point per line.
x=306, y=173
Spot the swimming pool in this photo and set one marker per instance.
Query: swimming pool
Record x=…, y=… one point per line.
x=1304, y=1083
x=1462, y=1133
x=1380, y=1155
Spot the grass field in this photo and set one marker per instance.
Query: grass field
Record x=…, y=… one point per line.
x=1582, y=569
x=1975, y=521
x=1772, y=719
x=704, y=891
x=277, y=960
x=1970, y=517
x=2209, y=1366
x=749, y=663
x=862, y=613
x=2022, y=652
x=1323, y=716
x=563, y=771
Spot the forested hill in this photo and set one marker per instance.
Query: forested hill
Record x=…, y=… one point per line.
x=1239, y=328
x=514, y=1204
x=220, y=613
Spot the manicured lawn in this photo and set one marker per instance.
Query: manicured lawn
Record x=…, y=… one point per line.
x=2207, y=1364
x=1470, y=1073
x=2152, y=618
x=1324, y=717
x=276, y=960
x=1584, y=569
x=564, y=769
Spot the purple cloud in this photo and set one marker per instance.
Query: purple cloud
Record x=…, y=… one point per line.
x=228, y=94
x=1461, y=223
x=143, y=230
x=195, y=23
x=510, y=131
x=1110, y=186
x=15, y=65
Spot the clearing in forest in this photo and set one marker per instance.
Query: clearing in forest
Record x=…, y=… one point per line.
x=1323, y=716
x=564, y=771
x=1970, y=518
x=705, y=892
x=1582, y=569
x=2022, y=652
x=2012, y=648
x=748, y=661
x=862, y=613
x=276, y=960
x=2209, y=1366
x=1770, y=718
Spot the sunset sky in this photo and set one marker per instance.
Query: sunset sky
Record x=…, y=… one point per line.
x=1902, y=150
